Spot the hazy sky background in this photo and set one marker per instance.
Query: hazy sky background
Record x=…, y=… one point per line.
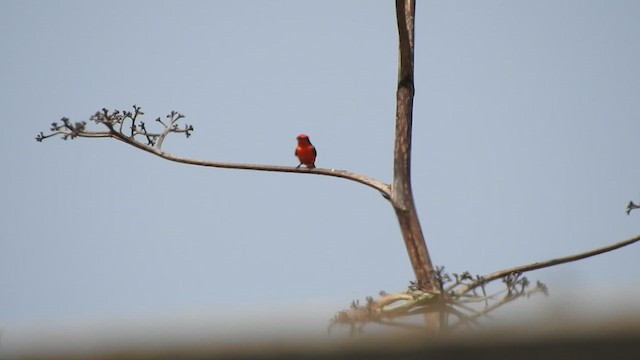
x=526, y=129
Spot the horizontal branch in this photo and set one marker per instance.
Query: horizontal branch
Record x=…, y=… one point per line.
x=378, y=185
x=543, y=264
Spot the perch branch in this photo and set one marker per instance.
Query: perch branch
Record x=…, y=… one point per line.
x=114, y=120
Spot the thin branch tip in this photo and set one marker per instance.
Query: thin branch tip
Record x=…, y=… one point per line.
x=632, y=206
x=115, y=122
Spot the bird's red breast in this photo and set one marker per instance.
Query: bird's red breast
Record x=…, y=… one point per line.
x=306, y=152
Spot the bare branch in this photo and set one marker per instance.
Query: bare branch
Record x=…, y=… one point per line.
x=384, y=308
x=465, y=307
x=378, y=185
x=170, y=127
x=67, y=130
x=463, y=291
x=490, y=308
x=543, y=264
x=115, y=120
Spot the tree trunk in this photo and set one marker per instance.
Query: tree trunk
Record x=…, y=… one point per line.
x=401, y=193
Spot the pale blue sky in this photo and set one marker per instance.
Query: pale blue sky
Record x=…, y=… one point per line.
x=526, y=134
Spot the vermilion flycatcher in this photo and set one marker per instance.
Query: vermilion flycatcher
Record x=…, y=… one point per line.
x=306, y=152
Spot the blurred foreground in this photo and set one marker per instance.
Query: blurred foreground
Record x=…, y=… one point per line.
x=616, y=339
x=620, y=340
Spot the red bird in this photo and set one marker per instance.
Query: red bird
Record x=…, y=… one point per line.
x=306, y=152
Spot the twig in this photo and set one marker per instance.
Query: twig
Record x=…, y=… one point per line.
x=173, y=118
x=632, y=206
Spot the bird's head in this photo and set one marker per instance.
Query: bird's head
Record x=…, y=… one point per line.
x=303, y=139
